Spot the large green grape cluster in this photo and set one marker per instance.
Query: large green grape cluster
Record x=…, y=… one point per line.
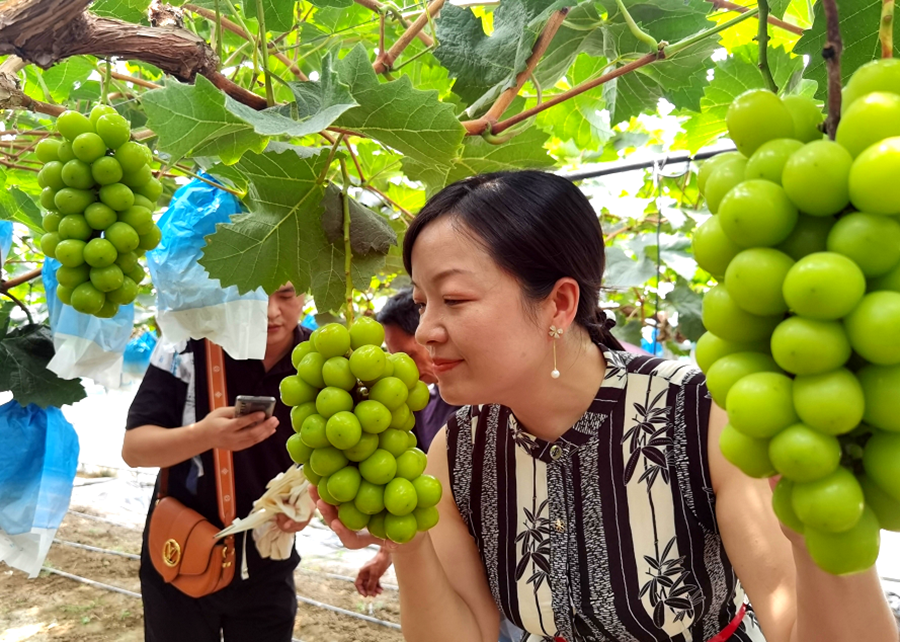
x=803, y=341
x=99, y=195
x=352, y=413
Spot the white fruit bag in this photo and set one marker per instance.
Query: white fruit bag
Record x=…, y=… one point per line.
x=286, y=494
x=190, y=304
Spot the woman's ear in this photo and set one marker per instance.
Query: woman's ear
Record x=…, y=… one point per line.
x=563, y=303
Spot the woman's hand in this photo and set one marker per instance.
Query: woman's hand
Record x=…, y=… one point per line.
x=353, y=540
x=288, y=525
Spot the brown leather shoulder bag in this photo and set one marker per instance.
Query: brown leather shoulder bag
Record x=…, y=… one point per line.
x=182, y=542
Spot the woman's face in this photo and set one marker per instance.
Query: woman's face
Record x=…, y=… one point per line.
x=483, y=343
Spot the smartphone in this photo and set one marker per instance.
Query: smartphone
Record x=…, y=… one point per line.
x=247, y=405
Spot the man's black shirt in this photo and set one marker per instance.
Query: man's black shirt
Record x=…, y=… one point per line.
x=161, y=401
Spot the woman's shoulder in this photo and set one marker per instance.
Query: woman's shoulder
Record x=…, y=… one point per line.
x=623, y=364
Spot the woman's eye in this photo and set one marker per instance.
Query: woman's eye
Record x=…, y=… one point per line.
x=452, y=302
x=420, y=307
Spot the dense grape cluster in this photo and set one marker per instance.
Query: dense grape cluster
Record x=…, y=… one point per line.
x=803, y=341
x=353, y=411
x=99, y=195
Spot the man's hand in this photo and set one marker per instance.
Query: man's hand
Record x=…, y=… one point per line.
x=223, y=430
x=288, y=525
x=368, y=579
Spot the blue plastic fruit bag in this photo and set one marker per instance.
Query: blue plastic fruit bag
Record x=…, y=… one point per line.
x=6, y=239
x=37, y=465
x=137, y=354
x=85, y=345
x=190, y=304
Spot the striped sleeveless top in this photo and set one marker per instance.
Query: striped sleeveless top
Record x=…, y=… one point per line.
x=608, y=533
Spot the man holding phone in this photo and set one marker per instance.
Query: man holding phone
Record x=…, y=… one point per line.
x=170, y=425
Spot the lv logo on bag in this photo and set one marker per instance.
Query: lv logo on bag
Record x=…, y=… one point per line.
x=171, y=553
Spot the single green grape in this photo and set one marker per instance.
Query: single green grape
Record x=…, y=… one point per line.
x=755, y=117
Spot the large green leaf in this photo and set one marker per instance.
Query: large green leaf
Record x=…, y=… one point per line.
x=668, y=20
x=859, y=32
x=525, y=151
x=127, y=10
x=279, y=13
x=282, y=239
x=581, y=119
x=733, y=76
x=689, y=306
x=369, y=232
x=480, y=62
x=271, y=244
x=580, y=24
x=778, y=7
x=16, y=205
x=622, y=271
x=62, y=77
x=24, y=355
x=317, y=105
x=395, y=113
x=679, y=79
x=191, y=120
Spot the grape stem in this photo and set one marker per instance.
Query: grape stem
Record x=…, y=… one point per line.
x=348, y=256
x=886, y=31
x=386, y=59
x=831, y=52
x=763, y=38
x=19, y=280
x=20, y=304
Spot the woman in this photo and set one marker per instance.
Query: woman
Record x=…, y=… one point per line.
x=585, y=494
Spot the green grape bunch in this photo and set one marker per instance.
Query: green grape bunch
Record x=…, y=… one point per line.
x=99, y=195
x=352, y=415
x=803, y=329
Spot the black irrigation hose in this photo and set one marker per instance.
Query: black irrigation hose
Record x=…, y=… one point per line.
x=617, y=167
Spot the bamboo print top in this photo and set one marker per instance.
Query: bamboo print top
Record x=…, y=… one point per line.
x=609, y=533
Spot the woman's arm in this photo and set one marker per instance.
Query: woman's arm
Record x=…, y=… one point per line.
x=793, y=598
x=444, y=595
x=155, y=446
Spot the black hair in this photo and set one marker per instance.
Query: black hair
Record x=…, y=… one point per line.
x=401, y=311
x=538, y=227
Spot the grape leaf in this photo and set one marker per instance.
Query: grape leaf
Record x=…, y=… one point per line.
x=778, y=7
x=622, y=271
x=480, y=62
x=860, y=20
x=191, y=120
x=525, y=151
x=281, y=239
x=733, y=76
x=669, y=20
x=689, y=306
x=271, y=245
x=679, y=79
x=395, y=113
x=582, y=120
x=331, y=4
x=580, y=24
x=279, y=13
x=16, y=205
x=24, y=355
x=369, y=232
x=62, y=77
x=127, y=10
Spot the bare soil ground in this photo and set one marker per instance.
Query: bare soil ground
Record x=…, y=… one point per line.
x=55, y=608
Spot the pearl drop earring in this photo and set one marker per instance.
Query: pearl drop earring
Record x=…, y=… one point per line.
x=555, y=333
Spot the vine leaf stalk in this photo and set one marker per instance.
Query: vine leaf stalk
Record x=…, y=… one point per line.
x=348, y=255
x=886, y=29
x=831, y=52
x=386, y=59
x=763, y=38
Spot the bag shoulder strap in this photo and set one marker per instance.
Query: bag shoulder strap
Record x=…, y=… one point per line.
x=223, y=460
